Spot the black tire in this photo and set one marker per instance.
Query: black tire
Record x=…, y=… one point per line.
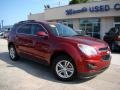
x=15, y=57
x=63, y=58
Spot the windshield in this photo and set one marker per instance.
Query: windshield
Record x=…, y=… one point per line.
x=62, y=30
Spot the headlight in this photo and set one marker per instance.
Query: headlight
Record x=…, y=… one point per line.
x=88, y=50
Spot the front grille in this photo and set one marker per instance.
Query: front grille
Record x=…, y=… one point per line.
x=106, y=57
x=103, y=49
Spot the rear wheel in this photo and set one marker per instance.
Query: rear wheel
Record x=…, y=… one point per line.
x=12, y=53
x=64, y=68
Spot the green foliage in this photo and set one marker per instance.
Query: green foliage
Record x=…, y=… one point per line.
x=78, y=1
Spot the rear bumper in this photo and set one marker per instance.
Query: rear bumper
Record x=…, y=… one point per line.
x=91, y=74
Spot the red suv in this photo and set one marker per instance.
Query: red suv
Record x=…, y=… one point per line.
x=68, y=54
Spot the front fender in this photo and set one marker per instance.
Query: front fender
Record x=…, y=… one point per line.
x=73, y=52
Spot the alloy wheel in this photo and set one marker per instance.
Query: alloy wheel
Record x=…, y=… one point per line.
x=64, y=69
x=12, y=52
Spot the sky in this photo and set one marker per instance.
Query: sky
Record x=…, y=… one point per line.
x=12, y=11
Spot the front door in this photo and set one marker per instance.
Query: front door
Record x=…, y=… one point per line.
x=41, y=44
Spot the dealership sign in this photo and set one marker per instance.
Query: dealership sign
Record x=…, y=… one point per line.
x=100, y=8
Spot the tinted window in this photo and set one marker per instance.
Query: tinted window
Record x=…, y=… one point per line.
x=26, y=29
x=36, y=28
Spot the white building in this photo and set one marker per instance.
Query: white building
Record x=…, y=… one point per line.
x=95, y=18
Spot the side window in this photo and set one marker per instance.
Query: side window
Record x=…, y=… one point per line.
x=26, y=29
x=36, y=28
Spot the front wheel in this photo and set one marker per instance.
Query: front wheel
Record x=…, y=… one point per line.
x=12, y=53
x=64, y=68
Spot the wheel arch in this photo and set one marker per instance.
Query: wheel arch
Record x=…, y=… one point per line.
x=10, y=43
x=58, y=53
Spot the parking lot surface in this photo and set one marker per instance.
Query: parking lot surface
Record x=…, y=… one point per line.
x=29, y=75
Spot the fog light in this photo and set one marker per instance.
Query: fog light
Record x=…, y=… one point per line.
x=91, y=66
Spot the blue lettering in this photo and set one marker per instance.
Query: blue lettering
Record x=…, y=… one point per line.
x=100, y=8
x=117, y=6
x=84, y=9
x=69, y=12
x=91, y=9
x=107, y=7
x=96, y=9
x=78, y=11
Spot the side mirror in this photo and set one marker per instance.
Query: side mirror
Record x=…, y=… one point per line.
x=42, y=34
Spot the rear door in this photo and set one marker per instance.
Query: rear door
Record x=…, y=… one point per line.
x=24, y=40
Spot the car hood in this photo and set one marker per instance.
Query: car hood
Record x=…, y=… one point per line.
x=88, y=41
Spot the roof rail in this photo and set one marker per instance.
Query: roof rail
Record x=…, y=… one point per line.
x=26, y=21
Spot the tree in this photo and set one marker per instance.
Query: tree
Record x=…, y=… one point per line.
x=77, y=1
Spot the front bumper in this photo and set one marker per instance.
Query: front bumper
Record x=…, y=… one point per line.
x=95, y=65
x=91, y=74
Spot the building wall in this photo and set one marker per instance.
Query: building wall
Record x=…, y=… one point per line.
x=76, y=24
x=106, y=24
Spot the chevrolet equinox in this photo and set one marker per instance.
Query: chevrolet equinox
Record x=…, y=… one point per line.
x=67, y=53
